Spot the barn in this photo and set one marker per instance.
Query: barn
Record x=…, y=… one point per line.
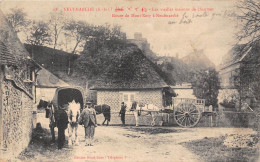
x=17, y=87
x=134, y=78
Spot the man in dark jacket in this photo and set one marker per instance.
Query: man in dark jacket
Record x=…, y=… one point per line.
x=62, y=124
x=122, y=113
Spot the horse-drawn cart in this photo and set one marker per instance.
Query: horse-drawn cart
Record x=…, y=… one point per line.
x=188, y=111
x=63, y=96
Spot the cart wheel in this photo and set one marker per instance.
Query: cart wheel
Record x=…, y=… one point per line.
x=187, y=115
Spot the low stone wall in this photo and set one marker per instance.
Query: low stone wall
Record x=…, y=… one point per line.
x=235, y=119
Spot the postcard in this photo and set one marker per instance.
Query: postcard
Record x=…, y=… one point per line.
x=128, y=80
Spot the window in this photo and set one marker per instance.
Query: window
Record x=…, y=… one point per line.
x=125, y=97
x=132, y=97
x=128, y=98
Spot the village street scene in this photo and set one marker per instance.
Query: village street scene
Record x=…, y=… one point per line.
x=96, y=81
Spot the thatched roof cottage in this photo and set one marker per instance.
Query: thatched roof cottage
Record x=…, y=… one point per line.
x=132, y=78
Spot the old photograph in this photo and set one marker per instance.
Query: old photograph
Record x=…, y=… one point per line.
x=129, y=80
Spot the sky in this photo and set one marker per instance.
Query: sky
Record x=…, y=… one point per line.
x=201, y=24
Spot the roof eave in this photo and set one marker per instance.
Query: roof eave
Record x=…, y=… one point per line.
x=126, y=89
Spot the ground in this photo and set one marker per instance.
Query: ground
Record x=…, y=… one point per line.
x=129, y=144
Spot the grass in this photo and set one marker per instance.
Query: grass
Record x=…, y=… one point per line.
x=212, y=149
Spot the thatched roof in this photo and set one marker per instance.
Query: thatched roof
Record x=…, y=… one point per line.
x=49, y=58
x=132, y=71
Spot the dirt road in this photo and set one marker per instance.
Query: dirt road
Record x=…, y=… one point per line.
x=115, y=143
x=123, y=144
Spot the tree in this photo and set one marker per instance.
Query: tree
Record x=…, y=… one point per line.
x=102, y=49
x=248, y=76
x=18, y=19
x=79, y=31
x=249, y=16
x=105, y=36
x=206, y=86
x=56, y=25
x=39, y=34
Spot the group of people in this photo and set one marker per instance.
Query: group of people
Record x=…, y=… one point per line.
x=87, y=119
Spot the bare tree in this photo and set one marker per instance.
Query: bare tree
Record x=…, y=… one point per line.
x=249, y=17
x=39, y=34
x=79, y=31
x=17, y=19
x=56, y=25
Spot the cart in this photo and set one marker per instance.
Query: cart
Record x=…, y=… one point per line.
x=62, y=96
x=188, y=111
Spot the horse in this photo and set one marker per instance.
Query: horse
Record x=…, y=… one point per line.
x=105, y=109
x=148, y=109
x=50, y=112
x=42, y=104
x=73, y=114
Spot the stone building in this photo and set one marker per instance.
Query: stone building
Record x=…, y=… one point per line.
x=238, y=76
x=143, y=44
x=17, y=92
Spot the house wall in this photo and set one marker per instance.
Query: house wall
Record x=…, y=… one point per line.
x=114, y=98
x=16, y=107
x=1, y=114
x=45, y=94
x=227, y=76
x=184, y=92
x=111, y=98
x=151, y=97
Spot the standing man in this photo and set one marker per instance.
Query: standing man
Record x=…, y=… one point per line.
x=62, y=124
x=122, y=113
x=89, y=121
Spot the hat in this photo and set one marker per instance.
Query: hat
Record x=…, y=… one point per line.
x=64, y=106
x=88, y=102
